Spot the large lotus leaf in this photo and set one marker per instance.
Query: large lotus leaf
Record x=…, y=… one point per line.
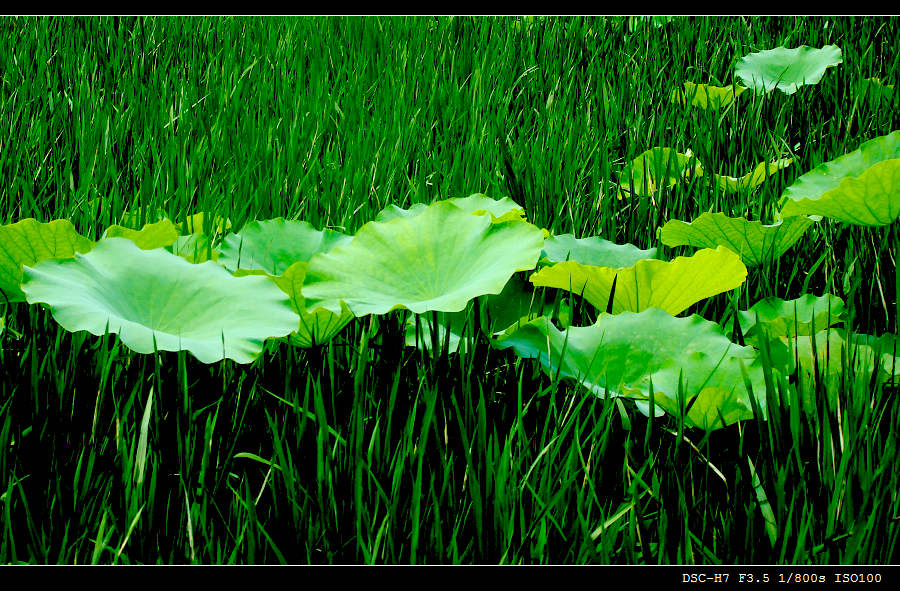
x=437, y=260
x=501, y=210
x=672, y=286
x=786, y=69
x=755, y=242
x=752, y=179
x=593, y=251
x=157, y=235
x=28, y=242
x=623, y=354
x=155, y=300
x=656, y=168
x=862, y=187
x=316, y=326
x=802, y=316
x=705, y=96
x=274, y=245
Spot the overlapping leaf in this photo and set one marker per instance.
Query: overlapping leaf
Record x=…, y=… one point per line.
x=802, y=316
x=437, y=260
x=688, y=363
x=706, y=96
x=672, y=286
x=156, y=235
x=28, y=242
x=862, y=187
x=786, y=69
x=501, y=210
x=755, y=242
x=316, y=326
x=657, y=168
x=593, y=251
x=754, y=178
x=155, y=300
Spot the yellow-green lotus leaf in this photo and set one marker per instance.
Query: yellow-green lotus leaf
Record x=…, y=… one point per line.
x=672, y=286
x=157, y=235
x=437, y=260
x=752, y=179
x=28, y=242
x=755, y=242
x=861, y=188
x=706, y=96
x=316, y=326
x=501, y=210
x=657, y=168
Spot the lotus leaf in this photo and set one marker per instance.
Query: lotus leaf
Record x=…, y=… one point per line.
x=317, y=326
x=801, y=316
x=593, y=251
x=195, y=248
x=28, y=242
x=672, y=286
x=274, y=245
x=655, y=168
x=437, y=260
x=754, y=242
x=753, y=179
x=501, y=210
x=622, y=355
x=786, y=69
x=862, y=187
x=157, y=235
x=706, y=96
x=155, y=300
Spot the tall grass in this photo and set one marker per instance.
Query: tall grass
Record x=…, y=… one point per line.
x=363, y=450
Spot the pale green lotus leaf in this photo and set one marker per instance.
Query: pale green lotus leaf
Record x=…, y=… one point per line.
x=861, y=188
x=156, y=235
x=195, y=248
x=786, y=69
x=800, y=317
x=705, y=96
x=673, y=286
x=438, y=260
x=593, y=251
x=657, y=168
x=155, y=300
x=316, y=326
x=501, y=210
x=28, y=242
x=752, y=179
x=274, y=245
x=689, y=362
x=755, y=242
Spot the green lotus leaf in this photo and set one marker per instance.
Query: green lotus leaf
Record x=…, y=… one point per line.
x=593, y=251
x=755, y=242
x=862, y=187
x=437, y=260
x=274, y=245
x=800, y=317
x=453, y=328
x=656, y=168
x=672, y=286
x=155, y=300
x=687, y=359
x=705, y=96
x=752, y=179
x=501, y=210
x=195, y=248
x=316, y=326
x=157, y=235
x=786, y=69
x=28, y=242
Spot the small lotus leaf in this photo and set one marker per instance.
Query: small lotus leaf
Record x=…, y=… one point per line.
x=687, y=360
x=705, y=96
x=438, y=260
x=593, y=251
x=656, y=168
x=861, y=188
x=501, y=210
x=672, y=286
x=317, y=326
x=752, y=179
x=274, y=245
x=28, y=242
x=157, y=235
x=155, y=300
x=755, y=242
x=786, y=69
